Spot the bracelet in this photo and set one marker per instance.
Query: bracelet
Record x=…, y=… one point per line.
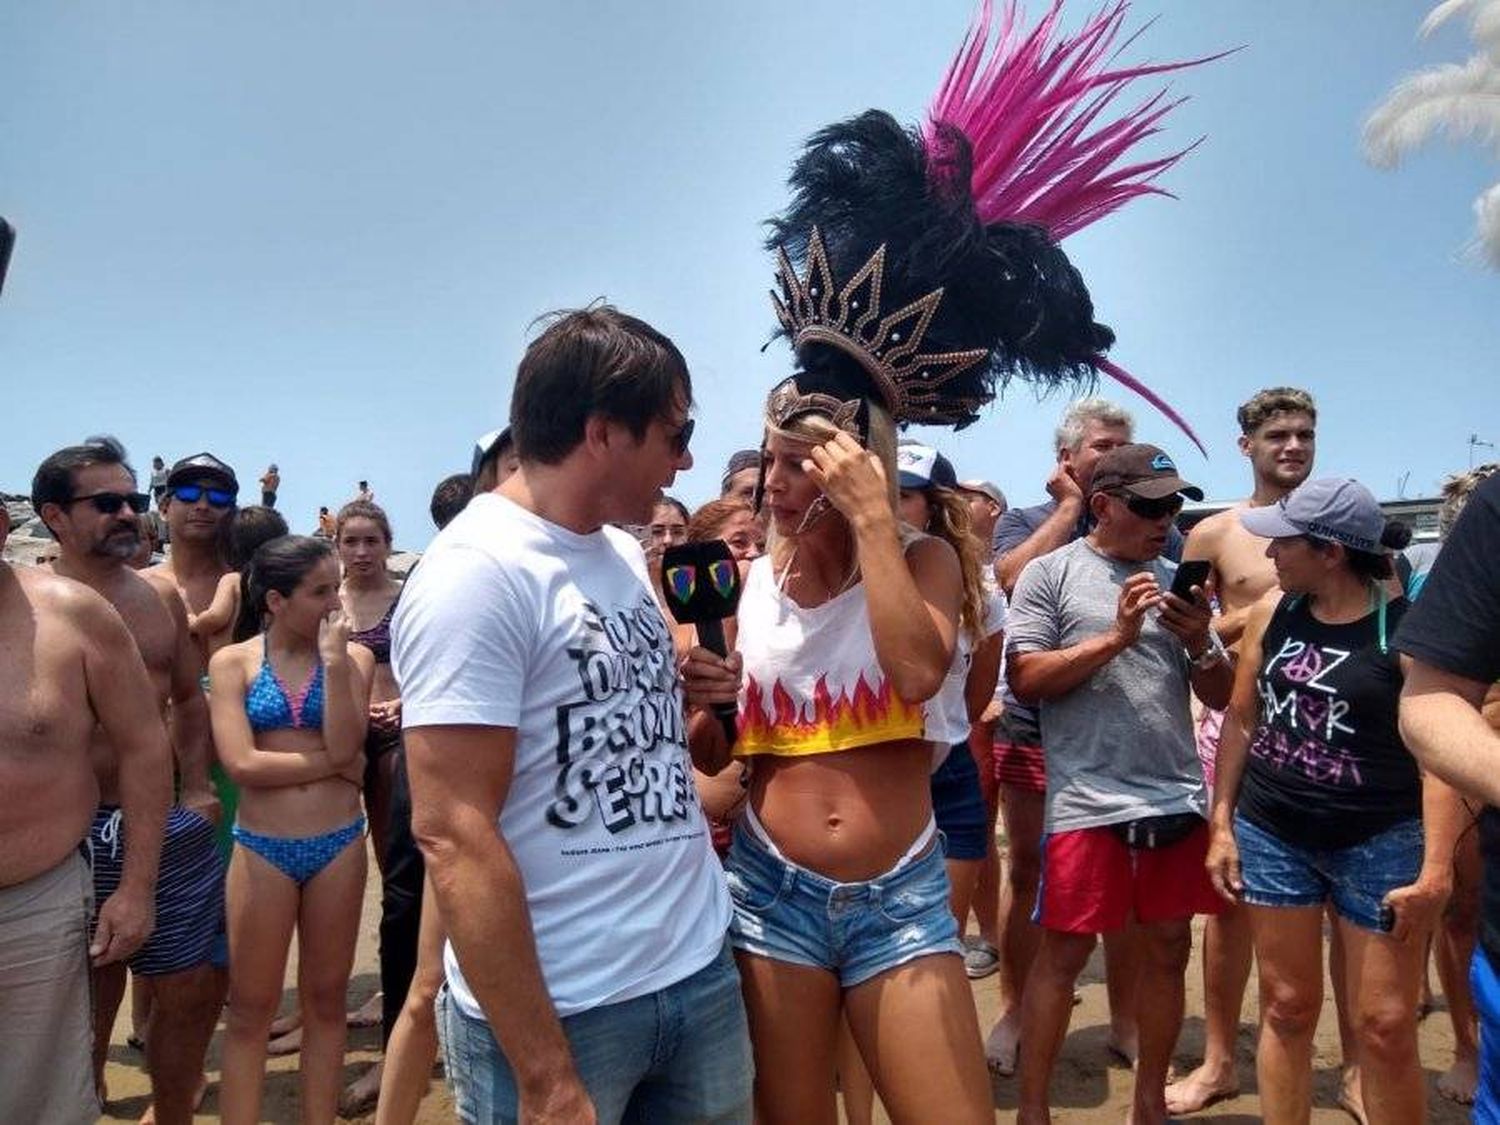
x=1213, y=654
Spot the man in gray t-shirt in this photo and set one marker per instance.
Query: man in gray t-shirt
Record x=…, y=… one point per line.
x=1111, y=657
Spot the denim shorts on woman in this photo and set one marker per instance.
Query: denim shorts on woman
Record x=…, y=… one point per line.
x=855, y=930
x=1356, y=878
x=958, y=805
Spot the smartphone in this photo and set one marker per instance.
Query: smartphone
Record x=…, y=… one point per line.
x=1387, y=917
x=1189, y=574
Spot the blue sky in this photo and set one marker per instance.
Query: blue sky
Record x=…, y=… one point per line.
x=317, y=233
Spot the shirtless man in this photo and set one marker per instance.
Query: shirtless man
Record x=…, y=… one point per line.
x=1278, y=436
x=68, y=667
x=88, y=498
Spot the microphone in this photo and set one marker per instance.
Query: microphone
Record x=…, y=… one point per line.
x=701, y=582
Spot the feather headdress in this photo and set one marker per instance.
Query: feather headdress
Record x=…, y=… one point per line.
x=956, y=225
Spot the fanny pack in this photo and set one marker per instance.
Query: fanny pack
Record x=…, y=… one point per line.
x=1151, y=832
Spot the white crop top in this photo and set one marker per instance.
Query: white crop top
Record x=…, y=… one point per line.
x=812, y=682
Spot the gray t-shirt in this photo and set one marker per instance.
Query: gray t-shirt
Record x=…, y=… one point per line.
x=1120, y=745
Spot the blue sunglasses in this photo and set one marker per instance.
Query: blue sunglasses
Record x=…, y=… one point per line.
x=190, y=493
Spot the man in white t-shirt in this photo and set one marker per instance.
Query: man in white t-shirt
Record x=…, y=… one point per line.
x=588, y=976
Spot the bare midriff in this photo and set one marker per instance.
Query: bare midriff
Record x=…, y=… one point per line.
x=310, y=809
x=848, y=815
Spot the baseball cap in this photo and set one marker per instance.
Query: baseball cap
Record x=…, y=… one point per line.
x=1141, y=470
x=921, y=466
x=1339, y=509
x=486, y=445
x=984, y=488
x=202, y=467
x=739, y=461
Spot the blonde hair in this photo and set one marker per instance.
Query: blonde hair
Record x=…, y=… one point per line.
x=949, y=520
x=1456, y=492
x=815, y=429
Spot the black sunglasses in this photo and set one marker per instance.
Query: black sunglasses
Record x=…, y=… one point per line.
x=1150, y=509
x=189, y=494
x=681, y=438
x=108, y=503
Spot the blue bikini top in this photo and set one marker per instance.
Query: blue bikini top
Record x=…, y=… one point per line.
x=269, y=706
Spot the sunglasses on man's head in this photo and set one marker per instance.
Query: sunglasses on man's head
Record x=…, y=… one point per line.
x=108, y=503
x=190, y=493
x=1151, y=509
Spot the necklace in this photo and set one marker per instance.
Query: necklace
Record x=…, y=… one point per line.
x=786, y=573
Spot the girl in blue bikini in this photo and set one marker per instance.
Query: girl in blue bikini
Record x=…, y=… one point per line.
x=290, y=704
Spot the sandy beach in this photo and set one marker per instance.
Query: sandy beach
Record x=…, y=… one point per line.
x=1089, y=1086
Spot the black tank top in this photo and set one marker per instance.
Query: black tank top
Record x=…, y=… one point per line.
x=1327, y=768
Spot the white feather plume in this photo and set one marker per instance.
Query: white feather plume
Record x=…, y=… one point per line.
x=1484, y=22
x=1462, y=101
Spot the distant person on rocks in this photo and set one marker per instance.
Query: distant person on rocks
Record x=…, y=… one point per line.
x=87, y=497
x=270, y=483
x=364, y=493
x=327, y=524
x=71, y=655
x=158, y=479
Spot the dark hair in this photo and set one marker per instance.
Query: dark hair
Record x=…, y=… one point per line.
x=672, y=502
x=450, y=497
x=53, y=482
x=363, y=510
x=1372, y=565
x=280, y=564
x=249, y=528
x=590, y=361
x=709, y=520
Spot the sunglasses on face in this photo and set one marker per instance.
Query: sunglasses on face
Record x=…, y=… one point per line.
x=681, y=438
x=190, y=493
x=1151, y=509
x=108, y=503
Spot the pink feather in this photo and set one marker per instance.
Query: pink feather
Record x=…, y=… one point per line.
x=1031, y=112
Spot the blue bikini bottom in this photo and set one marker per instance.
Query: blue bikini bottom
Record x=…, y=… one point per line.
x=299, y=858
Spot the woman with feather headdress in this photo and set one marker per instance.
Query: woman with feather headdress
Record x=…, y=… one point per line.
x=918, y=269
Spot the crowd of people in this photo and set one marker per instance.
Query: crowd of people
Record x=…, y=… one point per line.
x=690, y=815
x=671, y=926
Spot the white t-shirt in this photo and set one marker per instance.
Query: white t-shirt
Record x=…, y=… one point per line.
x=947, y=715
x=511, y=621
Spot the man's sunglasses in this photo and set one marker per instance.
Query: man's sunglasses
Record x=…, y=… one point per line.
x=108, y=503
x=1151, y=509
x=681, y=438
x=190, y=494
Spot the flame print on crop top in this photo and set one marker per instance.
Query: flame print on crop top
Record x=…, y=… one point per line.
x=812, y=682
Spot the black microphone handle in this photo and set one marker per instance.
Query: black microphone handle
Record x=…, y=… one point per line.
x=711, y=637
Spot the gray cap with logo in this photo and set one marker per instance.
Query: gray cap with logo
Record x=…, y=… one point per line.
x=1340, y=510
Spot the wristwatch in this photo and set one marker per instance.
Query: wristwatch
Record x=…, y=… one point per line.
x=1213, y=654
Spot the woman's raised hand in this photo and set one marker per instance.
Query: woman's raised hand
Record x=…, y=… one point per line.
x=850, y=476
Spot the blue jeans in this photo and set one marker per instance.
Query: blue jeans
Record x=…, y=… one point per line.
x=681, y=1054
x=1485, y=983
x=1356, y=878
x=854, y=930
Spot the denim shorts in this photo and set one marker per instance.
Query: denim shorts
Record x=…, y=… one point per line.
x=958, y=805
x=1356, y=878
x=856, y=930
x=680, y=1054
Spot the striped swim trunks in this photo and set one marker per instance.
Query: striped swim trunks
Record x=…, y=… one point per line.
x=189, y=889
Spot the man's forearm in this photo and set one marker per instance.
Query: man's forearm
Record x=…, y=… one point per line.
x=190, y=742
x=1036, y=676
x=1442, y=815
x=1056, y=530
x=483, y=901
x=145, y=797
x=1451, y=739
